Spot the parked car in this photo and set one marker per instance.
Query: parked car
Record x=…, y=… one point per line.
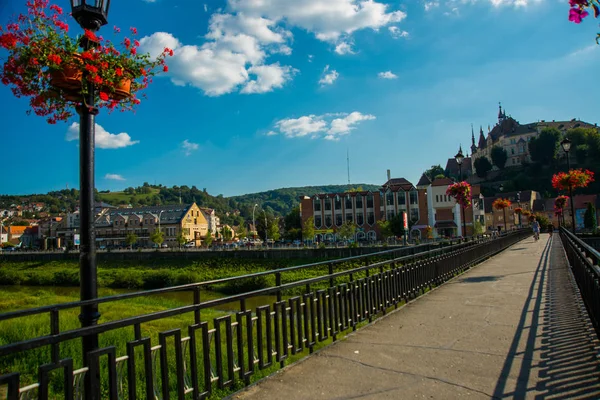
x=189, y=245
x=164, y=246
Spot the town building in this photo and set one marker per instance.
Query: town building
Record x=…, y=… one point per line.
x=211, y=216
x=425, y=205
x=527, y=200
x=113, y=225
x=514, y=138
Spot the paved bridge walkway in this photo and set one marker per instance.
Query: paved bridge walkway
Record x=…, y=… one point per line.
x=512, y=327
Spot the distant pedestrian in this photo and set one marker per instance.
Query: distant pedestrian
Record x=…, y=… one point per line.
x=535, y=225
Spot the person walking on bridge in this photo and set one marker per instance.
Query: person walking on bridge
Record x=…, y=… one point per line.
x=535, y=225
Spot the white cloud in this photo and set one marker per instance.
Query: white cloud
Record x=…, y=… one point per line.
x=241, y=39
x=315, y=126
x=396, y=32
x=343, y=126
x=328, y=77
x=114, y=177
x=329, y=20
x=268, y=77
x=429, y=5
x=387, y=75
x=344, y=48
x=310, y=57
x=189, y=147
x=104, y=139
x=233, y=57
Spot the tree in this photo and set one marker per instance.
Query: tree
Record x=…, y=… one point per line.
x=544, y=148
x=434, y=172
x=397, y=225
x=131, y=239
x=208, y=239
x=589, y=218
x=181, y=240
x=226, y=233
x=293, y=220
x=241, y=231
x=157, y=237
x=347, y=230
x=477, y=228
x=385, y=229
x=499, y=157
x=308, y=229
x=482, y=166
x=273, y=230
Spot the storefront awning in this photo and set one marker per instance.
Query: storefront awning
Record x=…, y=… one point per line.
x=445, y=224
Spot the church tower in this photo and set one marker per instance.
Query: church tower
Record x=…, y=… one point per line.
x=473, y=145
x=501, y=114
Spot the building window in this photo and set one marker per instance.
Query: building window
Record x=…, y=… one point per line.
x=349, y=218
x=317, y=221
x=370, y=201
x=437, y=200
x=360, y=218
x=338, y=203
x=328, y=221
x=389, y=199
x=338, y=219
x=327, y=204
x=317, y=204
x=414, y=197
x=414, y=214
x=390, y=215
x=512, y=150
x=359, y=202
x=348, y=203
x=370, y=218
x=401, y=198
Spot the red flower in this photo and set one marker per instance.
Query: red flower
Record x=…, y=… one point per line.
x=97, y=80
x=91, y=36
x=53, y=58
x=133, y=51
x=133, y=31
x=127, y=42
x=165, y=68
x=118, y=72
x=116, y=29
x=501, y=204
x=103, y=96
x=86, y=55
x=56, y=9
x=136, y=43
x=8, y=41
x=91, y=68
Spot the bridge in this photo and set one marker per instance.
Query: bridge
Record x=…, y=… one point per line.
x=504, y=317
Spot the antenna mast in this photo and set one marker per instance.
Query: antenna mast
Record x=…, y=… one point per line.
x=348, y=163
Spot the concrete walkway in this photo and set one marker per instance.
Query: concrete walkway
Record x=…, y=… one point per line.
x=512, y=327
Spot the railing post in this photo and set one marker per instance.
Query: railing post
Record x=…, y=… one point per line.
x=196, y=302
x=331, y=280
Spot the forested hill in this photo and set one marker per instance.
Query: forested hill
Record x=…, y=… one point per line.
x=232, y=210
x=281, y=201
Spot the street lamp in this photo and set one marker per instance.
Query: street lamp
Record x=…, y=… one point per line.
x=91, y=15
x=566, y=146
x=459, y=160
x=254, y=222
x=266, y=229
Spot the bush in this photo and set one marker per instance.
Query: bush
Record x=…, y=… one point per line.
x=66, y=278
x=248, y=285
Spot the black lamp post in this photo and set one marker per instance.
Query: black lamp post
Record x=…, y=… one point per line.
x=91, y=15
x=566, y=146
x=459, y=160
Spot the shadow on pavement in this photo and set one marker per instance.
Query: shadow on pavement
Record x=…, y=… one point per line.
x=479, y=279
x=566, y=362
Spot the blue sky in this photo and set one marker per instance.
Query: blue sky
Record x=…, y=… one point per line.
x=264, y=94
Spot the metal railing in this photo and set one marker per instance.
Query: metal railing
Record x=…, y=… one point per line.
x=237, y=344
x=584, y=261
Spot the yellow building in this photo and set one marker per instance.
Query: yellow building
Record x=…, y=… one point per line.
x=113, y=225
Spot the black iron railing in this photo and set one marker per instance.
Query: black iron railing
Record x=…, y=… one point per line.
x=233, y=346
x=584, y=261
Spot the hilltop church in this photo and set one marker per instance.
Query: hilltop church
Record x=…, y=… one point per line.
x=514, y=137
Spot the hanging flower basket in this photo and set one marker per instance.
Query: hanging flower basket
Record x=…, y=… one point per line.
x=461, y=192
x=501, y=204
x=69, y=76
x=41, y=60
x=575, y=178
x=579, y=10
x=561, y=202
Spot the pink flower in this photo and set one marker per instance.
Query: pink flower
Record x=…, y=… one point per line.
x=576, y=14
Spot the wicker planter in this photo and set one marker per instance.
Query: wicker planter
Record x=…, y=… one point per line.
x=69, y=78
